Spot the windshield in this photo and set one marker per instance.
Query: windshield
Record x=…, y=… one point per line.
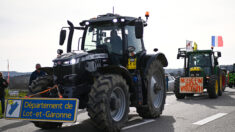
x=199, y=60
x=107, y=37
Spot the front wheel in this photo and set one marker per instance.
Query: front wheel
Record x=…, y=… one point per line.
x=230, y=85
x=156, y=91
x=178, y=95
x=39, y=85
x=108, y=104
x=213, y=88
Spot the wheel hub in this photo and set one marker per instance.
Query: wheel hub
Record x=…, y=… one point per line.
x=117, y=104
x=114, y=104
x=156, y=90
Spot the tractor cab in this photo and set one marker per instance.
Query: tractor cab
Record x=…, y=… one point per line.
x=112, y=34
x=200, y=63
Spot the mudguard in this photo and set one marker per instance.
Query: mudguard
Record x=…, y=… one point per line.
x=150, y=58
x=114, y=69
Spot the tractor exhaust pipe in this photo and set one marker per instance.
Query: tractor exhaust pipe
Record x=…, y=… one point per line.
x=71, y=30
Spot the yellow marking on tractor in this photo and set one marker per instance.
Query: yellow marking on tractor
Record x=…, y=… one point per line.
x=195, y=69
x=216, y=87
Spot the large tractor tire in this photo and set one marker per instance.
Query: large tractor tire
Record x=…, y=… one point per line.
x=108, y=104
x=38, y=85
x=224, y=80
x=156, y=91
x=220, y=80
x=41, y=83
x=213, y=88
x=178, y=95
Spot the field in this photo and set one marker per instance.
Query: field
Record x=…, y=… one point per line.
x=21, y=94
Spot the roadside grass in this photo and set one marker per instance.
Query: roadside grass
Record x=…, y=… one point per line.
x=7, y=95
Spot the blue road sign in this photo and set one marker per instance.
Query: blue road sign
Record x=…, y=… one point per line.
x=42, y=109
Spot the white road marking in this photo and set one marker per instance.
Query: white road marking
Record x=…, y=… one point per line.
x=209, y=119
x=139, y=124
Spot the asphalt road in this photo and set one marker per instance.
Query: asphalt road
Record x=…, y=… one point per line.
x=193, y=114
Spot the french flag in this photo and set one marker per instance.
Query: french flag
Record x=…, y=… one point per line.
x=217, y=41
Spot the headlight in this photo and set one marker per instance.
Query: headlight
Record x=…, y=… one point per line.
x=71, y=62
x=115, y=20
x=87, y=23
x=122, y=20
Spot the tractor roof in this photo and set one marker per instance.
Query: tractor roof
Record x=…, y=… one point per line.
x=107, y=18
x=200, y=51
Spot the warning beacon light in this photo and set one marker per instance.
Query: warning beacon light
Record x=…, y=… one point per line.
x=147, y=15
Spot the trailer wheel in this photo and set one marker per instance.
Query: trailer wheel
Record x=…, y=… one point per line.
x=213, y=89
x=108, y=104
x=178, y=95
x=156, y=92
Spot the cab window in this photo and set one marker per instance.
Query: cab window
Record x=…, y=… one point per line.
x=132, y=40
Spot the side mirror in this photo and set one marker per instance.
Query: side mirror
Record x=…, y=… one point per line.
x=59, y=51
x=178, y=56
x=62, y=36
x=139, y=29
x=219, y=54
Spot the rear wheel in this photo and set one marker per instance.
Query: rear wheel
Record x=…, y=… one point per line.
x=213, y=89
x=224, y=80
x=38, y=85
x=108, y=104
x=178, y=95
x=220, y=80
x=156, y=92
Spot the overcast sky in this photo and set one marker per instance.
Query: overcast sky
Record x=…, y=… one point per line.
x=29, y=29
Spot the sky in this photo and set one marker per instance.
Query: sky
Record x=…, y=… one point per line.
x=29, y=29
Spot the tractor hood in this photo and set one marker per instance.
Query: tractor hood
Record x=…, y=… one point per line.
x=76, y=57
x=70, y=55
